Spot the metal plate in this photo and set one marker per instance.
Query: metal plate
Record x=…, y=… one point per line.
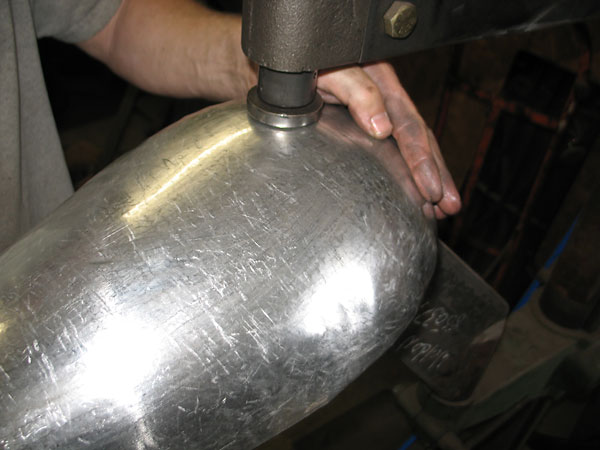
x=458, y=326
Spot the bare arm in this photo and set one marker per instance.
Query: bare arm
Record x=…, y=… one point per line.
x=175, y=47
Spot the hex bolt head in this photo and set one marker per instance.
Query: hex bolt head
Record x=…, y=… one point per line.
x=400, y=19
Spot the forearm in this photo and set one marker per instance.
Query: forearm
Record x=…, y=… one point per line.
x=175, y=47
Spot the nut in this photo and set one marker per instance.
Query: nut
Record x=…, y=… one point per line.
x=400, y=19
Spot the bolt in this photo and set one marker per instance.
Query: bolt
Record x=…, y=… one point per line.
x=400, y=19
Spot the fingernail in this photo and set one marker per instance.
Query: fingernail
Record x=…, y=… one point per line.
x=380, y=124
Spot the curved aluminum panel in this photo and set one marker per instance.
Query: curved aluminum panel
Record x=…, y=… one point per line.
x=211, y=288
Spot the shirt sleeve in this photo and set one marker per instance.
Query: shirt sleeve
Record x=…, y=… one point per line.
x=72, y=20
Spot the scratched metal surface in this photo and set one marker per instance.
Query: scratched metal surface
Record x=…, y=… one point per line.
x=211, y=288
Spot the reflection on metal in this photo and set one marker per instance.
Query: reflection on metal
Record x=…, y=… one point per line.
x=211, y=288
x=341, y=299
x=124, y=343
x=181, y=173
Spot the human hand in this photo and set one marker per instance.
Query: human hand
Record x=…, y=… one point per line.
x=381, y=107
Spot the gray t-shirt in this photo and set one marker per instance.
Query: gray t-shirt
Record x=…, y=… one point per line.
x=33, y=175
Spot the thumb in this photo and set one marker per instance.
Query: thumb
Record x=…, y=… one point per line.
x=352, y=87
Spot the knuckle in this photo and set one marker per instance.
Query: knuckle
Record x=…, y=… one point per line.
x=411, y=130
x=415, y=153
x=365, y=93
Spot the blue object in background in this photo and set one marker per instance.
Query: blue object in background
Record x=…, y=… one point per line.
x=410, y=441
x=553, y=257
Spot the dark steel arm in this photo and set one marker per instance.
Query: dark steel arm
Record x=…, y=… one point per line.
x=308, y=35
x=300, y=37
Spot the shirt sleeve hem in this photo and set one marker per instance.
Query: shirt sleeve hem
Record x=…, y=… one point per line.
x=96, y=19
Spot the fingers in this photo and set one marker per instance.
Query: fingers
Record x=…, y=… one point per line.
x=353, y=87
x=450, y=203
x=409, y=130
x=380, y=106
x=414, y=145
x=416, y=142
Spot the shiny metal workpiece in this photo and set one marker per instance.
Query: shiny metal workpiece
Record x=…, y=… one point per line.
x=211, y=288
